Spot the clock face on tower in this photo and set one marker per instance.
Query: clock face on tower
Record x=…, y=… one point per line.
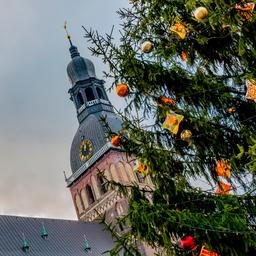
x=85, y=150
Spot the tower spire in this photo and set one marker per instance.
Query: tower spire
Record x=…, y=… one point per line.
x=73, y=49
x=68, y=35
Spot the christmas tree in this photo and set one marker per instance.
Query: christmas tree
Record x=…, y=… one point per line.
x=188, y=72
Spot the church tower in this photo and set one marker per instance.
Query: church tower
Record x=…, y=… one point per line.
x=91, y=151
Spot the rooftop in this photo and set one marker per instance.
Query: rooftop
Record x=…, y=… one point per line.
x=44, y=237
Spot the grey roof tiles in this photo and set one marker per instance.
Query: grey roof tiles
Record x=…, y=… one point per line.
x=65, y=237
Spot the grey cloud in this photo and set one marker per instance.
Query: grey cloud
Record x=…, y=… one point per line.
x=37, y=119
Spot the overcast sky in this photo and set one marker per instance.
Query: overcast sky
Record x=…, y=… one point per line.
x=38, y=121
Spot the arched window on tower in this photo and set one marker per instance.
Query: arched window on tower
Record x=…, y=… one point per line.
x=89, y=194
x=84, y=198
x=101, y=185
x=80, y=100
x=100, y=93
x=89, y=94
x=79, y=204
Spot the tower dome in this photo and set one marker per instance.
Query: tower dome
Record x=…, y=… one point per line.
x=79, y=68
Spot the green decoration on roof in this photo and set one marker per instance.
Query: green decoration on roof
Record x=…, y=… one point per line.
x=25, y=244
x=87, y=248
x=44, y=233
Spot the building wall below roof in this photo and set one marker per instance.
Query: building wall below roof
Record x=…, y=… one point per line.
x=116, y=166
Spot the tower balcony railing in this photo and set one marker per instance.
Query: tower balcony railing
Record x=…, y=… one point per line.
x=92, y=102
x=81, y=108
x=89, y=163
x=104, y=101
x=97, y=101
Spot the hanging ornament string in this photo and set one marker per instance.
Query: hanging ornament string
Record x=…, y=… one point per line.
x=196, y=29
x=229, y=89
x=249, y=118
x=211, y=90
x=221, y=230
x=249, y=214
x=205, y=200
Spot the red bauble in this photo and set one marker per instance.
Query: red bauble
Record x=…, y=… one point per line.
x=188, y=243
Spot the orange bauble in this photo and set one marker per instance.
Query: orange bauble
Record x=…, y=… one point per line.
x=230, y=110
x=115, y=141
x=183, y=56
x=167, y=100
x=122, y=90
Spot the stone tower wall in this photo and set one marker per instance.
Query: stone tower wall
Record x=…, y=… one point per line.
x=115, y=166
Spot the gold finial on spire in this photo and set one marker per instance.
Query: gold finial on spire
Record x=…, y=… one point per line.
x=68, y=35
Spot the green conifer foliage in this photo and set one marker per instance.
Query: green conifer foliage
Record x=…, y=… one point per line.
x=205, y=72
